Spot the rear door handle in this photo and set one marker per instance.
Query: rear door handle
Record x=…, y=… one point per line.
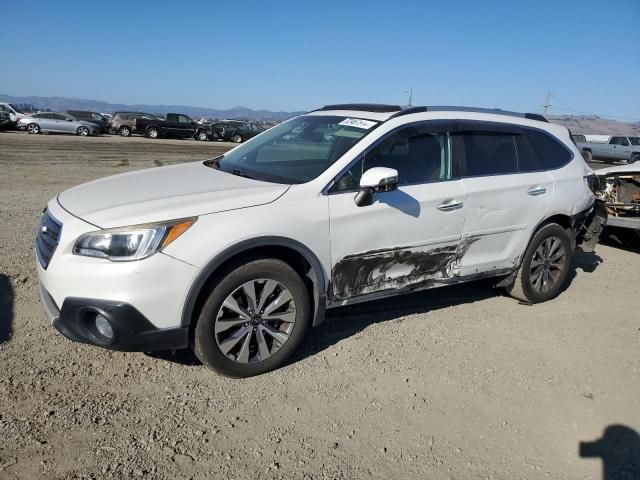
x=450, y=205
x=537, y=190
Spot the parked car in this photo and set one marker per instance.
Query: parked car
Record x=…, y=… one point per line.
x=230, y=131
x=57, y=123
x=174, y=125
x=124, y=123
x=15, y=114
x=239, y=255
x=611, y=148
x=92, y=117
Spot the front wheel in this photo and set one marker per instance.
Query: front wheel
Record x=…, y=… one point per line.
x=237, y=138
x=202, y=135
x=33, y=128
x=634, y=159
x=124, y=131
x=545, y=266
x=253, y=320
x=82, y=131
x=153, y=132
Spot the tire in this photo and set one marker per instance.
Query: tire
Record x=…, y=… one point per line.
x=236, y=349
x=529, y=284
x=236, y=138
x=202, y=135
x=634, y=159
x=124, y=131
x=33, y=128
x=587, y=155
x=82, y=131
x=153, y=132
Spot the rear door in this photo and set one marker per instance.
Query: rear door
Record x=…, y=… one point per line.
x=408, y=238
x=508, y=193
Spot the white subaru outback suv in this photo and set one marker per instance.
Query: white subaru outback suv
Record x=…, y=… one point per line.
x=237, y=256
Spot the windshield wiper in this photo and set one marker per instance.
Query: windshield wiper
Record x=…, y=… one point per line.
x=240, y=173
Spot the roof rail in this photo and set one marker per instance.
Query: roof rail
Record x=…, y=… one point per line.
x=362, y=107
x=495, y=111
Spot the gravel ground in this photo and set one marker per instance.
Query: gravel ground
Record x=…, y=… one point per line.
x=460, y=382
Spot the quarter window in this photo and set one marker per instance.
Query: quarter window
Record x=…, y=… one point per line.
x=551, y=153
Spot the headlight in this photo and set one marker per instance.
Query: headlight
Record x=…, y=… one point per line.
x=131, y=243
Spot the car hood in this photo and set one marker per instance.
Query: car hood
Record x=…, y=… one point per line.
x=165, y=193
x=622, y=169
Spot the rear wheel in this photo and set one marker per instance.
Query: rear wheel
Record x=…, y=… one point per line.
x=82, y=131
x=236, y=138
x=545, y=266
x=587, y=155
x=124, y=131
x=33, y=128
x=153, y=132
x=253, y=320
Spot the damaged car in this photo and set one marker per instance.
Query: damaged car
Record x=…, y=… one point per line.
x=619, y=189
x=236, y=257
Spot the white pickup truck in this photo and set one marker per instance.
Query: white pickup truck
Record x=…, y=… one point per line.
x=610, y=148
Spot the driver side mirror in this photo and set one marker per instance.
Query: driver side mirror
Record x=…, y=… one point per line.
x=376, y=179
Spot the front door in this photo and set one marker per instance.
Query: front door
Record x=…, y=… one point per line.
x=409, y=238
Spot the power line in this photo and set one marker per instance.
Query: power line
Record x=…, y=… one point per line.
x=570, y=109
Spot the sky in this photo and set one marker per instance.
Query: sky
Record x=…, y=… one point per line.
x=298, y=55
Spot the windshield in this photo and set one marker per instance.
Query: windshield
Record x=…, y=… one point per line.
x=296, y=151
x=15, y=108
x=634, y=140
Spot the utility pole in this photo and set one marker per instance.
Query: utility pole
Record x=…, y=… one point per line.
x=546, y=102
x=410, y=92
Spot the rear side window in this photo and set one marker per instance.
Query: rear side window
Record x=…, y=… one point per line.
x=550, y=152
x=490, y=153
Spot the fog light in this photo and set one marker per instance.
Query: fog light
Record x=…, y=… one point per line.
x=104, y=327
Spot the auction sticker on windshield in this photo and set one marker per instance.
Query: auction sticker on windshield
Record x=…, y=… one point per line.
x=357, y=123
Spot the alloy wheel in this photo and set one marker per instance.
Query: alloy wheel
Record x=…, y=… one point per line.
x=547, y=264
x=255, y=321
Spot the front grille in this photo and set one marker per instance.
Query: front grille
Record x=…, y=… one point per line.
x=47, y=238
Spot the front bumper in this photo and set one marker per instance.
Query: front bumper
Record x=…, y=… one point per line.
x=142, y=299
x=132, y=332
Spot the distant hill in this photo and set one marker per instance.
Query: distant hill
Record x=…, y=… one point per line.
x=590, y=124
x=58, y=104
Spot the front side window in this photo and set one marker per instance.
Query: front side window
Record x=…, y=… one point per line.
x=183, y=119
x=296, y=151
x=419, y=156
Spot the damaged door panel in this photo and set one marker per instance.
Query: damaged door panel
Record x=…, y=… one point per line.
x=396, y=269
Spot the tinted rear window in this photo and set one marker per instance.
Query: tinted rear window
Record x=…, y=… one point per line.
x=489, y=153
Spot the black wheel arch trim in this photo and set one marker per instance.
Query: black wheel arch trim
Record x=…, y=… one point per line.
x=320, y=281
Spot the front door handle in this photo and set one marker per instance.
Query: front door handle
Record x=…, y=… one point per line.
x=537, y=190
x=449, y=206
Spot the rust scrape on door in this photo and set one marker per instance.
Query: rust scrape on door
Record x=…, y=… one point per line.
x=394, y=269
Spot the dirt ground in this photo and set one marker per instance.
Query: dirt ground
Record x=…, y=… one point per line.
x=460, y=382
